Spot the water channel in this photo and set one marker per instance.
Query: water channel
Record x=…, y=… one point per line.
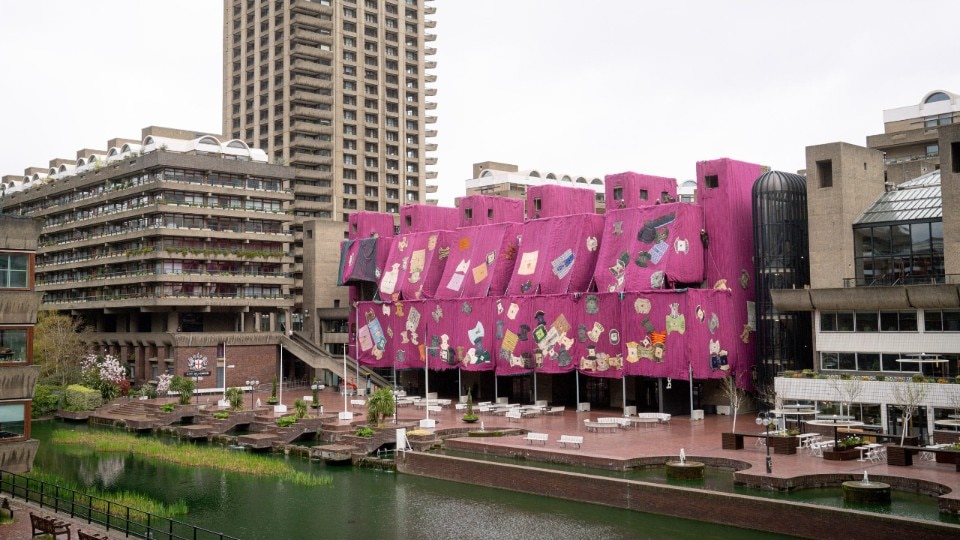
x=361, y=503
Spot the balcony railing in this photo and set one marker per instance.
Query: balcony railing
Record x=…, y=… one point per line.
x=896, y=281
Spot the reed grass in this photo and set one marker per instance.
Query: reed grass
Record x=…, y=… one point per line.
x=190, y=455
x=132, y=499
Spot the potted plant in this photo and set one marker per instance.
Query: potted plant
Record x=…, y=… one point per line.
x=845, y=450
x=300, y=408
x=380, y=405
x=470, y=416
x=316, y=394
x=272, y=400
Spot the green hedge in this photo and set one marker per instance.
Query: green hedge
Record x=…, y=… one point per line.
x=46, y=400
x=81, y=398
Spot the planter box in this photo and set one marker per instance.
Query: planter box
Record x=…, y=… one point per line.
x=841, y=455
x=785, y=444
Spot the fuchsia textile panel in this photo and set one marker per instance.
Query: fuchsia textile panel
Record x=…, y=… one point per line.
x=358, y=261
x=367, y=224
x=416, y=218
x=651, y=247
x=488, y=209
x=559, y=201
x=556, y=255
x=724, y=189
x=479, y=258
x=652, y=333
x=415, y=265
x=628, y=185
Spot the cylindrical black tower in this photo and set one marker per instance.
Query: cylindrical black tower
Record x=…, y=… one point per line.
x=781, y=261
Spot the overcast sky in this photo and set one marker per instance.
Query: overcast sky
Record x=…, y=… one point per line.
x=587, y=88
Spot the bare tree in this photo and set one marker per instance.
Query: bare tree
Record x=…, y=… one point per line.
x=848, y=390
x=908, y=396
x=735, y=395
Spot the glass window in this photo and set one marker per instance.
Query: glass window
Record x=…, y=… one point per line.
x=13, y=344
x=847, y=361
x=866, y=321
x=868, y=361
x=829, y=360
x=12, y=420
x=908, y=321
x=13, y=271
x=845, y=321
x=828, y=322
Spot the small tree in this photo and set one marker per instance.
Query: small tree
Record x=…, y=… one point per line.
x=908, y=396
x=300, y=406
x=316, y=393
x=735, y=395
x=59, y=346
x=380, y=405
x=235, y=397
x=272, y=400
x=470, y=416
x=183, y=385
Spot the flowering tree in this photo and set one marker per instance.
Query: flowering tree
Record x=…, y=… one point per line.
x=163, y=384
x=104, y=373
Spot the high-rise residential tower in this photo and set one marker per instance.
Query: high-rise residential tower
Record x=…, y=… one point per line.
x=338, y=89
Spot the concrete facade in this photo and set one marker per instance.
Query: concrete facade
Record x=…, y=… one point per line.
x=18, y=314
x=950, y=192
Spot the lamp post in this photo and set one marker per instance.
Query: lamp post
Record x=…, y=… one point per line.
x=765, y=419
x=253, y=383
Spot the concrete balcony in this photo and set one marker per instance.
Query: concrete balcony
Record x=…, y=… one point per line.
x=309, y=36
x=430, y=160
x=429, y=23
x=311, y=174
x=430, y=105
x=431, y=147
x=430, y=133
x=310, y=8
x=335, y=337
x=314, y=190
x=429, y=37
x=310, y=127
x=430, y=119
x=314, y=206
x=315, y=21
x=431, y=175
x=430, y=78
x=430, y=64
x=312, y=159
x=307, y=66
x=17, y=382
x=310, y=52
x=432, y=188
x=430, y=91
x=306, y=96
x=429, y=51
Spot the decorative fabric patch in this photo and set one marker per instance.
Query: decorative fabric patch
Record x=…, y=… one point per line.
x=617, y=228
x=744, y=279
x=399, y=309
x=633, y=352
x=500, y=329
x=479, y=273
x=700, y=313
x=614, y=336
x=524, y=330
x=467, y=308
x=386, y=310
x=437, y=314
x=563, y=358
x=642, y=259
x=491, y=257
x=541, y=318
x=592, y=243
x=681, y=246
x=402, y=244
x=721, y=285
x=561, y=324
x=714, y=323
x=526, y=286
x=464, y=244
x=403, y=263
x=539, y=333
x=413, y=319
x=499, y=306
x=592, y=304
x=390, y=331
x=509, y=342
x=512, y=311
x=656, y=279
x=528, y=263
x=463, y=266
x=647, y=325
x=676, y=322
x=642, y=306
x=745, y=335
x=511, y=252
x=401, y=356
x=443, y=253
x=658, y=251
x=417, y=260
x=389, y=282
x=582, y=333
x=563, y=264
x=456, y=281
x=476, y=332
x=432, y=242
x=363, y=336
x=595, y=332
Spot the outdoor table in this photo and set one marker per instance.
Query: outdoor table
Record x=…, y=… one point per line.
x=836, y=421
x=866, y=447
x=806, y=439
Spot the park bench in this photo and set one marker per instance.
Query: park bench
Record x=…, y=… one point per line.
x=903, y=455
x=514, y=415
x=43, y=525
x=90, y=536
x=570, y=439
x=594, y=425
x=661, y=418
x=358, y=402
x=555, y=410
x=539, y=437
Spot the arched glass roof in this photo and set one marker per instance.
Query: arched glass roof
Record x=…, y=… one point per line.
x=913, y=200
x=936, y=96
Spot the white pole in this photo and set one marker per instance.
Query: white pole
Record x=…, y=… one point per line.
x=624, y=379
x=534, y=385
x=690, y=370
x=426, y=375
x=343, y=385
x=577, y=376
x=281, y=374
x=224, y=371
x=459, y=382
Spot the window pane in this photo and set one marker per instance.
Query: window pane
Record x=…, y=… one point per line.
x=845, y=322
x=848, y=361
x=863, y=242
x=932, y=321
x=866, y=321
x=951, y=321
x=920, y=237
x=829, y=360
x=11, y=420
x=13, y=345
x=828, y=322
x=889, y=362
x=868, y=361
x=908, y=321
x=889, y=321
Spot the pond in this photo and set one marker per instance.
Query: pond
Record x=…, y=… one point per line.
x=360, y=503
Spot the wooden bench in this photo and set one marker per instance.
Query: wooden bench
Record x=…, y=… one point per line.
x=542, y=438
x=514, y=415
x=43, y=525
x=903, y=455
x=91, y=536
x=570, y=439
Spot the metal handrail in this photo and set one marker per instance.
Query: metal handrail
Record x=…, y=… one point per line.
x=113, y=516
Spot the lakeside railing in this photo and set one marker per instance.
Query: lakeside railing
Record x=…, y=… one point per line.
x=113, y=516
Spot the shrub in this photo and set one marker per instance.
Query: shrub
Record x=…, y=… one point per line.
x=235, y=397
x=850, y=442
x=184, y=386
x=223, y=415
x=272, y=400
x=46, y=400
x=300, y=406
x=81, y=398
x=918, y=378
x=168, y=407
x=286, y=421
x=364, y=432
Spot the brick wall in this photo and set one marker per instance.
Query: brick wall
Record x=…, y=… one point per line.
x=713, y=507
x=248, y=361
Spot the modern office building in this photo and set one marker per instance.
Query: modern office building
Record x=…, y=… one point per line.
x=18, y=314
x=910, y=141
x=885, y=284
x=507, y=180
x=340, y=91
x=174, y=247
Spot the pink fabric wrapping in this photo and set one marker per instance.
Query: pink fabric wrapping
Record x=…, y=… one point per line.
x=415, y=218
x=376, y=345
x=461, y=333
x=367, y=224
x=506, y=259
x=488, y=209
x=598, y=334
x=728, y=214
x=415, y=265
x=358, y=261
x=650, y=247
x=629, y=186
x=559, y=201
x=475, y=260
x=556, y=255
x=514, y=344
